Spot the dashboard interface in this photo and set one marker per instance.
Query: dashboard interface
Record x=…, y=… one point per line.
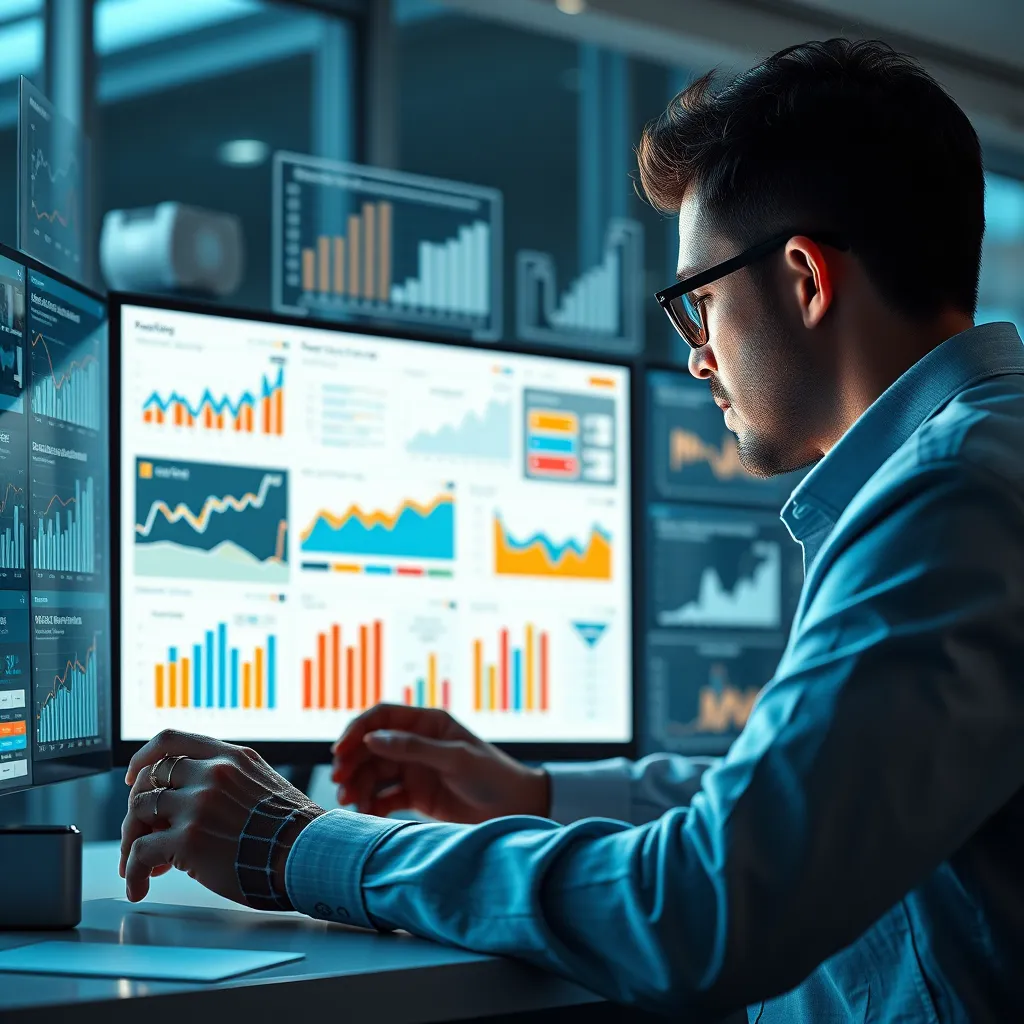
x=315, y=521
x=54, y=528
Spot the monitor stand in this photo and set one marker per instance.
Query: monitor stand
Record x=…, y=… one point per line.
x=42, y=869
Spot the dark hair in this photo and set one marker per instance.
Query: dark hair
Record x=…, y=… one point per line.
x=848, y=136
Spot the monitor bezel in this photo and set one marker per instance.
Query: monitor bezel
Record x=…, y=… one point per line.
x=308, y=752
x=95, y=762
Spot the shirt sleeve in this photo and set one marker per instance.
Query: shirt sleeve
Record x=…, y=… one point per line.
x=888, y=736
x=636, y=792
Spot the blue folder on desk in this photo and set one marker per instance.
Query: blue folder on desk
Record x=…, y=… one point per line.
x=155, y=963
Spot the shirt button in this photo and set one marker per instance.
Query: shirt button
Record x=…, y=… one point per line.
x=323, y=910
x=344, y=914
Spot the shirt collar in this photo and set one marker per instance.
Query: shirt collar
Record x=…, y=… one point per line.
x=984, y=351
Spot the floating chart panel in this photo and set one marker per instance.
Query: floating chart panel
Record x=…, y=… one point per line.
x=569, y=438
x=723, y=569
x=361, y=243
x=702, y=689
x=601, y=309
x=695, y=457
x=53, y=186
x=209, y=521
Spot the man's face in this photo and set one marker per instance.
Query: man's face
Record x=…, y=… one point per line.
x=755, y=362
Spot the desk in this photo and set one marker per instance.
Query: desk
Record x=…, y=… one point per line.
x=348, y=974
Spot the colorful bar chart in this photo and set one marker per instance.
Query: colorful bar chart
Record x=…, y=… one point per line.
x=65, y=539
x=343, y=676
x=539, y=555
x=356, y=265
x=70, y=710
x=249, y=413
x=213, y=674
x=429, y=691
x=519, y=680
x=72, y=392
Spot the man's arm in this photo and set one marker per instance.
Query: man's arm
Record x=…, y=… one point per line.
x=633, y=791
x=890, y=734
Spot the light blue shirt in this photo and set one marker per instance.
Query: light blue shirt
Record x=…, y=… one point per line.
x=859, y=854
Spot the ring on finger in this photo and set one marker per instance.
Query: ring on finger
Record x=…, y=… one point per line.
x=156, y=800
x=170, y=771
x=154, y=780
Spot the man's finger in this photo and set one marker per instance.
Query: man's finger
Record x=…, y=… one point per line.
x=425, y=721
x=149, y=810
x=148, y=852
x=408, y=748
x=394, y=799
x=171, y=742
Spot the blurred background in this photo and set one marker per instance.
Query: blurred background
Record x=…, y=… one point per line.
x=188, y=100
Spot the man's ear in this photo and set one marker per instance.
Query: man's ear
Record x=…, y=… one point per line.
x=812, y=277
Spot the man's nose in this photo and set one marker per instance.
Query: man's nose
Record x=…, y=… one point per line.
x=701, y=362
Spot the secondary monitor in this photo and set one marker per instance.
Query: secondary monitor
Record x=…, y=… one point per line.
x=313, y=520
x=54, y=528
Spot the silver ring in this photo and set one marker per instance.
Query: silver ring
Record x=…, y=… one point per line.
x=170, y=771
x=153, y=780
x=156, y=802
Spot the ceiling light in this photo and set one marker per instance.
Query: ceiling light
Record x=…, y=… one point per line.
x=571, y=6
x=243, y=152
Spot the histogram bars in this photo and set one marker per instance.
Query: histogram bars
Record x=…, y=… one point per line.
x=66, y=540
x=12, y=540
x=342, y=677
x=70, y=711
x=520, y=679
x=453, y=275
x=263, y=413
x=356, y=265
x=70, y=393
x=214, y=675
x=427, y=693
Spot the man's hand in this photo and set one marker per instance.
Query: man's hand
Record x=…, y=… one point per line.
x=394, y=757
x=197, y=825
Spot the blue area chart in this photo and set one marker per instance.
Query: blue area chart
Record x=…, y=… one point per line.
x=413, y=530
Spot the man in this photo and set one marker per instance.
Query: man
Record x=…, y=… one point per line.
x=857, y=855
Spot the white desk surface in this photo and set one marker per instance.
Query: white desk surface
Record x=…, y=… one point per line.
x=395, y=979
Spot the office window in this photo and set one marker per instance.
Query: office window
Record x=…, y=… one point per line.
x=551, y=123
x=1001, y=291
x=194, y=96
x=21, y=53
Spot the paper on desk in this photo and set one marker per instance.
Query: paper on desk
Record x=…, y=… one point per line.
x=156, y=963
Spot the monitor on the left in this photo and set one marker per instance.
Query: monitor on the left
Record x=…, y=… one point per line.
x=54, y=543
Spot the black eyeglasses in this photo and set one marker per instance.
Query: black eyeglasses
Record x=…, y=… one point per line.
x=687, y=313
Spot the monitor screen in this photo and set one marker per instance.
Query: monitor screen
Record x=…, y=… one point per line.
x=317, y=520
x=54, y=529
x=723, y=575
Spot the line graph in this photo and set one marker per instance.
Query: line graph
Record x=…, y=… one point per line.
x=539, y=555
x=69, y=709
x=64, y=526
x=68, y=388
x=210, y=521
x=410, y=530
x=686, y=448
x=260, y=411
x=12, y=526
x=486, y=435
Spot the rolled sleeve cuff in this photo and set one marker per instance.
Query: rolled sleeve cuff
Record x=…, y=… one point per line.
x=324, y=871
x=600, y=789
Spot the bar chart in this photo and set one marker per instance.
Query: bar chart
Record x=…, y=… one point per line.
x=357, y=242
x=429, y=691
x=12, y=523
x=67, y=383
x=260, y=411
x=215, y=672
x=69, y=706
x=344, y=676
x=517, y=679
x=602, y=308
x=65, y=527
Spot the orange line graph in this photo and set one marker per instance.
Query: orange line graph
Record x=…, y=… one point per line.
x=72, y=366
x=62, y=680
x=687, y=449
x=7, y=494
x=369, y=520
x=63, y=503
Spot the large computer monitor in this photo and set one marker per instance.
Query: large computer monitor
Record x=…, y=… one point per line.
x=54, y=528
x=315, y=519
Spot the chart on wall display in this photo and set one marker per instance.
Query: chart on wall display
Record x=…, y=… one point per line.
x=722, y=568
x=695, y=456
x=702, y=688
x=53, y=186
x=361, y=243
x=601, y=309
x=389, y=549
